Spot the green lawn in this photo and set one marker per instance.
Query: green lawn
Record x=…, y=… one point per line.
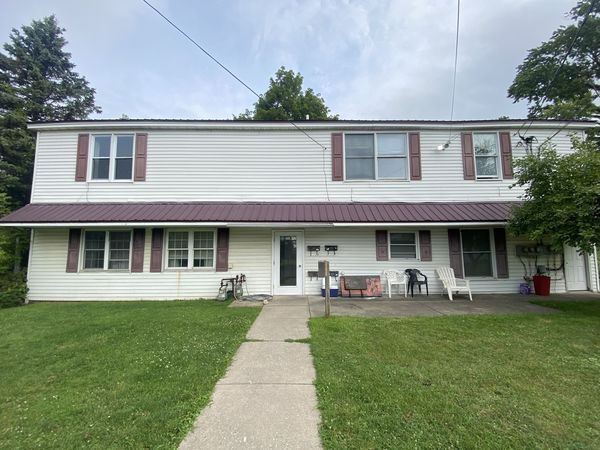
x=528, y=381
x=111, y=375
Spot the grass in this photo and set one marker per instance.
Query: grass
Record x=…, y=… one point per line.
x=112, y=375
x=527, y=381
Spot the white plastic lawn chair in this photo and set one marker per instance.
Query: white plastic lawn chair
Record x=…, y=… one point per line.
x=453, y=284
x=395, y=278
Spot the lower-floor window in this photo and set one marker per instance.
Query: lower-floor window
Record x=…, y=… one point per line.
x=190, y=249
x=403, y=245
x=477, y=253
x=108, y=250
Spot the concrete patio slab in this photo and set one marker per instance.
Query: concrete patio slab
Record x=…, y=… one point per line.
x=436, y=305
x=258, y=417
x=271, y=362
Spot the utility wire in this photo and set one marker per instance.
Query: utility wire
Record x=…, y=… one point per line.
x=455, y=61
x=544, y=97
x=206, y=52
x=455, y=70
x=238, y=79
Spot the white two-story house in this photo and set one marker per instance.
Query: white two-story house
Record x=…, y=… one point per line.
x=163, y=209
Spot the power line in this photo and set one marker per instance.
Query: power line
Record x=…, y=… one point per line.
x=544, y=97
x=447, y=144
x=206, y=52
x=238, y=79
x=455, y=60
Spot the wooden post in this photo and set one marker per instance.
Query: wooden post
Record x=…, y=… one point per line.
x=17, y=256
x=327, y=289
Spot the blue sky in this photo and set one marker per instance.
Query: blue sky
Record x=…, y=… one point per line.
x=369, y=59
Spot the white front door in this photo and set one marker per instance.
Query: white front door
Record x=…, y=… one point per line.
x=575, y=270
x=288, y=261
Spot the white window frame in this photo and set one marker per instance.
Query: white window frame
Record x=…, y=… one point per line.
x=492, y=253
x=106, y=250
x=112, y=158
x=417, y=246
x=498, y=175
x=376, y=157
x=190, y=249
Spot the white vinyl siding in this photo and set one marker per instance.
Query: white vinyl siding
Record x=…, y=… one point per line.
x=250, y=253
x=262, y=166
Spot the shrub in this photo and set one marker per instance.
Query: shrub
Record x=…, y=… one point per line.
x=13, y=290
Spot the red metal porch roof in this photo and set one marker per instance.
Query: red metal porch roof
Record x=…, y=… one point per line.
x=265, y=212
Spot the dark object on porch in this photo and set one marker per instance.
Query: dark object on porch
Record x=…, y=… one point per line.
x=363, y=285
x=541, y=284
x=413, y=279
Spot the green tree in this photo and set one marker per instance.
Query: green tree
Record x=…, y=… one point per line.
x=562, y=197
x=569, y=91
x=286, y=100
x=37, y=83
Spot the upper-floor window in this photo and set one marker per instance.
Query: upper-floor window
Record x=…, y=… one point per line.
x=112, y=157
x=190, y=249
x=376, y=156
x=107, y=250
x=486, y=155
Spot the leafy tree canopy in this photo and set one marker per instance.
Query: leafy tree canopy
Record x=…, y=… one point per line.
x=562, y=197
x=37, y=76
x=37, y=83
x=572, y=91
x=285, y=100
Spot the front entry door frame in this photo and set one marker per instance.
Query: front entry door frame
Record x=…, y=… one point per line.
x=298, y=289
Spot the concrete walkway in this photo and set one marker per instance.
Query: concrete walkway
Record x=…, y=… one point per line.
x=267, y=399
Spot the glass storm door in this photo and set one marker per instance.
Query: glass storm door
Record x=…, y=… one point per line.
x=288, y=251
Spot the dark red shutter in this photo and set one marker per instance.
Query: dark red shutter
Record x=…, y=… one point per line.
x=141, y=148
x=468, y=156
x=506, y=154
x=83, y=144
x=222, y=249
x=425, y=244
x=137, y=258
x=337, y=156
x=156, y=250
x=73, y=249
x=381, y=245
x=414, y=152
x=455, y=251
x=501, y=253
